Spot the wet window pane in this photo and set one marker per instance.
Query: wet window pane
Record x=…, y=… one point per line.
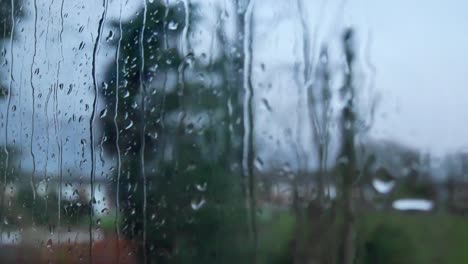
x=233, y=131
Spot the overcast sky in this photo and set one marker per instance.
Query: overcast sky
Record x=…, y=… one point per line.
x=418, y=49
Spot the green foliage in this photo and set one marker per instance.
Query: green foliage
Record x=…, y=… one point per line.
x=34, y=210
x=418, y=237
x=5, y=17
x=6, y=31
x=389, y=244
x=195, y=208
x=276, y=234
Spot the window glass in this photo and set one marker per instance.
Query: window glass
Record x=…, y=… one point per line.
x=233, y=131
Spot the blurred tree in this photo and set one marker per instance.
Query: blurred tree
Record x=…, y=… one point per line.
x=5, y=16
x=166, y=121
x=347, y=158
x=328, y=235
x=10, y=12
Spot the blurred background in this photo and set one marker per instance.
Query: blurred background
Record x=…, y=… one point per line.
x=233, y=131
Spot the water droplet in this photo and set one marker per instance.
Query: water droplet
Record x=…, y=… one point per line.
x=103, y=113
x=383, y=186
x=129, y=125
x=173, y=25
x=201, y=187
x=153, y=135
x=266, y=104
x=197, y=204
x=110, y=36
x=383, y=182
x=259, y=163
x=190, y=128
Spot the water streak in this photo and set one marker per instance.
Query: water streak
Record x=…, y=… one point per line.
x=5, y=147
x=57, y=129
x=116, y=126
x=31, y=150
x=248, y=151
x=143, y=130
x=91, y=123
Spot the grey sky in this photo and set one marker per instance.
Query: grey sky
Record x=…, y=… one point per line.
x=418, y=49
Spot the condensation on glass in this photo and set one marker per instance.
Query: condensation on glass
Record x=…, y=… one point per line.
x=233, y=131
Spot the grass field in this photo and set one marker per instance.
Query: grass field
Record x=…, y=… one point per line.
x=383, y=238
